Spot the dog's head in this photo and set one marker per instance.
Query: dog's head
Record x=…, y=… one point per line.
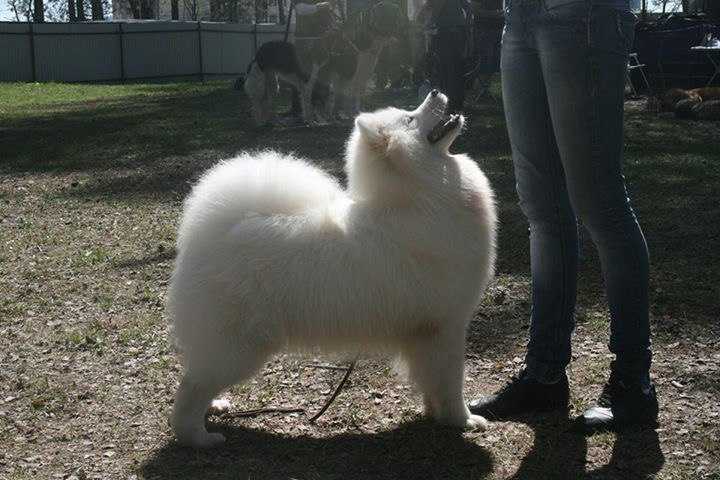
x=392, y=152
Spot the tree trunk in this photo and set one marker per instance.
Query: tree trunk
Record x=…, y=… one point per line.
x=38, y=11
x=147, y=9
x=71, y=11
x=174, y=9
x=97, y=10
x=281, y=12
x=81, y=11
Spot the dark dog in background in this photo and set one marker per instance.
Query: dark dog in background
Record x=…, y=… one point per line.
x=275, y=60
x=339, y=69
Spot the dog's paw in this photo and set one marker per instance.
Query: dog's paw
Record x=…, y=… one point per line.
x=476, y=422
x=219, y=406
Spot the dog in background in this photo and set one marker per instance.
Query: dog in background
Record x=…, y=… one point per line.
x=345, y=92
x=339, y=68
x=273, y=60
x=698, y=103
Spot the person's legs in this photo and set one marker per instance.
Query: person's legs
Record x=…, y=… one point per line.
x=553, y=229
x=580, y=54
x=544, y=201
x=584, y=72
x=583, y=54
x=450, y=50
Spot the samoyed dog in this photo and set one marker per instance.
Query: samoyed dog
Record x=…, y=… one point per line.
x=274, y=255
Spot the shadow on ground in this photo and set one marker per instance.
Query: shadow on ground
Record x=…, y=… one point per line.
x=559, y=452
x=415, y=450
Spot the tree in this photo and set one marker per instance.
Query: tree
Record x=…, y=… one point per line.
x=38, y=11
x=81, y=10
x=57, y=10
x=140, y=9
x=97, y=10
x=21, y=9
x=191, y=8
x=668, y=5
x=72, y=16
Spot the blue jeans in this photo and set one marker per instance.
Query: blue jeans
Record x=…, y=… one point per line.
x=563, y=76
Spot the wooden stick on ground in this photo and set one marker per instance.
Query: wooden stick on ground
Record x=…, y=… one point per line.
x=325, y=366
x=348, y=371
x=260, y=411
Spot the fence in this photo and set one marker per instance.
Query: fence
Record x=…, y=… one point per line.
x=119, y=51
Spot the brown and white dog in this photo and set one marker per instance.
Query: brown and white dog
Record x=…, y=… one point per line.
x=698, y=103
x=339, y=67
x=275, y=59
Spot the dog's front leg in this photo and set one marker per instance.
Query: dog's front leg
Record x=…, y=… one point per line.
x=437, y=365
x=343, y=108
x=333, y=86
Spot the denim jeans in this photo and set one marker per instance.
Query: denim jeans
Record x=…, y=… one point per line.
x=563, y=75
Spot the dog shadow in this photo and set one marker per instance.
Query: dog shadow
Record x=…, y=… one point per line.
x=560, y=452
x=414, y=450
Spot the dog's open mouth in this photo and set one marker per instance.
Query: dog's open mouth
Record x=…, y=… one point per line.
x=443, y=127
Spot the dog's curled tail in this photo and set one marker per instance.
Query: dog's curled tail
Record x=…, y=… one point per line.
x=265, y=183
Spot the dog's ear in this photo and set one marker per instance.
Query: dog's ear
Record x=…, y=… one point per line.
x=365, y=124
x=371, y=131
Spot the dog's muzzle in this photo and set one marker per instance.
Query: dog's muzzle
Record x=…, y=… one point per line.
x=443, y=127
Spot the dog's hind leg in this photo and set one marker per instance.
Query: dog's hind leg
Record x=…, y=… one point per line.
x=436, y=365
x=272, y=89
x=306, y=90
x=200, y=385
x=334, y=83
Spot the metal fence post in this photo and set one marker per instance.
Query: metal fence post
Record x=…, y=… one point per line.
x=32, y=52
x=200, y=53
x=122, y=54
x=254, y=38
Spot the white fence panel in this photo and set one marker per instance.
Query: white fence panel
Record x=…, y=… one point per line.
x=116, y=51
x=75, y=52
x=226, y=48
x=15, y=53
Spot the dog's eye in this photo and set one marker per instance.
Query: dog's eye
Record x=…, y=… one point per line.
x=409, y=120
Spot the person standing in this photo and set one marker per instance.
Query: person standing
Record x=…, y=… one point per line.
x=563, y=68
x=448, y=19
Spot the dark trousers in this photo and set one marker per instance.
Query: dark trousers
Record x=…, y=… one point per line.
x=563, y=74
x=449, y=48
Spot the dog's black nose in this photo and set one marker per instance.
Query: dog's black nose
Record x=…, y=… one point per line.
x=434, y=92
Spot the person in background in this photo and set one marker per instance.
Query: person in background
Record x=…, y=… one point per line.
x=563, y=68
x=449, y=19
x=487, y=24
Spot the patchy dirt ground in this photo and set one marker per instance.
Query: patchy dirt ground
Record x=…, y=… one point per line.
x=90, y=193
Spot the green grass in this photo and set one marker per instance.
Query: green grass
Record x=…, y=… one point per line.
x=92, y=179
x=19, y=97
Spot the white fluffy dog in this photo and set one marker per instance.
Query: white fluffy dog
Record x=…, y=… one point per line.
x=274, y=255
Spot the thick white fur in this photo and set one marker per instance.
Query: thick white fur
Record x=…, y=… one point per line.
x=274, y=255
